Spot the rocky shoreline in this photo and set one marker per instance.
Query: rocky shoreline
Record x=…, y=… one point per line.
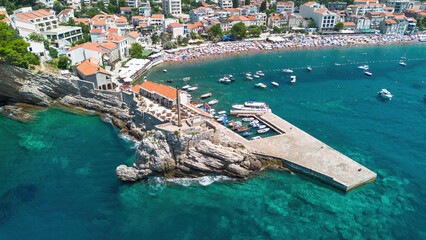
x=170, y=155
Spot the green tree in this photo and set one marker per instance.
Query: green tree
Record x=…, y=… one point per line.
x=234, y=3
x=339, y=26
x=135, y=50
x=71, y=22
x=36, y=37
x=262, y=6
x=239, y=30
x=64, y=62
x=53, y=53
x=154, y=39
x=215, y=31
x=101, y=6
x=193, y=35
x=58, y=7
x=112, y=7
x=180, y=40
x=122, y=3
x=311, y=24
x=13, y=49
x=254, y=31
x=169, y=45
x=247, y=2
x=2, y=16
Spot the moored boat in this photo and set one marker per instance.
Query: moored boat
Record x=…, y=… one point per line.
x=385, y=94
x=225, y=80
x=368, y=74
x=260, y=85
x=186, y=79
x=212, y=102
x=260, y=73
x=249, y=78
x=275, y=84
x=164, y=70
x=292, y=79
x=248, y=133
x=256, y=76
x=221, y=112
x=252, y=106
x=308, y=68
x=192, y=89
x=242, y=129
x=206, y=95
x=286, y=70
x=186, y=87
x=247, y=119
x=264, y=130
x=364, y=67
x=402, y=63
x=170, y=80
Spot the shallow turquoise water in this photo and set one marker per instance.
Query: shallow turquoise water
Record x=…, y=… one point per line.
x=58, y=172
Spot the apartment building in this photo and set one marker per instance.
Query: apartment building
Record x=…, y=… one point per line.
x=323, y=18
x=172, y=7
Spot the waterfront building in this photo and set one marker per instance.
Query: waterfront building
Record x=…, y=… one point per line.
x=231, y=21
x=122, y=44
x=89, y=70
x=172, y=7
x=362, y=22
x=84, y=51
x=65, y=15
x=277, y=20
x=323, y=18
x=200, y=14
x=163, y=94
x=285, y=7
x=295, y=21
x=176, y=29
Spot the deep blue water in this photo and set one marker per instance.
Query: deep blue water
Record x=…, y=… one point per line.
x=58, y=172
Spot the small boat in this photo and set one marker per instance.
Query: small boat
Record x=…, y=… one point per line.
x=199, y=105
x=247, y=119
x=242, y=129
x=260, y=85
x=206, y=95
x=275, y=84
x=212, y=102
x=368, y=74
x=170, y=80
x=262, y=126
x=252, y=106
x=212, y=111
x=225, y=80
x=264, y=130
x=384, y=93
x=364, y=67
x=308, y=68
x=248, y=133
x=402, y=63
x=192, y=89
x=256, y=76
x=255, y=138
x=248, y=74
x=164, y=70
x=231, y=77
x=337, y=64
x=260, y=73
x=186, y=87
x=286, y=70
x=293, y=79
x=221, y=112
x=249, y=78
x=220, y=119
x=186, y=79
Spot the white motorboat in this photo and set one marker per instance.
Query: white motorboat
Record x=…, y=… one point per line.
x=249, y=78
x=286, y=70
x=212, y=102
x=402, y=63
x=308, y=68
x=247, y=119
x=260, y=73
x=206, y=95
x=220, y=119
x=192, y=89
x=292, y=79
x=212, y=111
x=225, y=80
x=364, y=67
x=252, y=106
x=275, y=84
x=231, y=77
x=199, y=105
x=264, y=130
x=262, y=126
x=186, y=87
x=256, y=76
x=368, y=74
x=221, y=112
x=260, y=85
x=255, y=138
x=165, y=70
x=384, y=93
x=186, y=79
x=248, y=74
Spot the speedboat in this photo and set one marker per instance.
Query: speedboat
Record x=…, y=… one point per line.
x=293, y=79
x=255, y=138
x=402, y=63
x=186, y=79
x=308, y=68
x=384, y=93
x=260, y=73
x=252, y=106
x=165, y=70
x=256, y=76
x=248, y=133
x=337, y=64
x=264, y=130
x=221, y=112
x=247, y=119
x=260, y=85
x=192, y=89
x=275, y=84
x=225, y=80
x=206, y=95
x=212, y=102
x=249, y=78
x=262, y=126
x=248, y=74
x=186, y=87
x=364, y=67
x=242, y=129
x=368, y=74
x=286, y=70
x=199, y=105
x=231, y=77
x=170, y=80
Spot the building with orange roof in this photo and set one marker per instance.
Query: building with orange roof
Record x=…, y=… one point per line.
x=285, y=7
x=349, y=26
x=132, y=37
x=125, y=10
x=84, y=51
x=122, y=44
x=163, y=94
x=362, y=22
x=65, y=15
x=176, y=29
x=90, y=71
x=227, y=24
x=323, y=18
x=157, y=20
x=278, y=19
x=398, y=5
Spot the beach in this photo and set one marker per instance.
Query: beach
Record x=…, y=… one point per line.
x=213, y=50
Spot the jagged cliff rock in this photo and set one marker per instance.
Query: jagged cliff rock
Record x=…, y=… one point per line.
x=194, y=154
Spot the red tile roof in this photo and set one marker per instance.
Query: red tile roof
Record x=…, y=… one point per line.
x=157, y=16
x=100, y=30
x=163, y=90
x=115, y=38
x=347, y=24
x=88, y=68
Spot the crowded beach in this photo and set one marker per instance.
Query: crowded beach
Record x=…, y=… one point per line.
x=288, y=43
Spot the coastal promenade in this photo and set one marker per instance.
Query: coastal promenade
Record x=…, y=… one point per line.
x=303, y=153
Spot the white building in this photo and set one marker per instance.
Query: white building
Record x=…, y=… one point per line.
x=323, y=18
x=225, y=3
x=65, y=15
x=122, y=44
x=398, y=5
x=173, y=7
x=176, y=29
x=133, y=3
x=75, y=3
x=47, y=3
x=145, y=11
x=84, y=51
x=285, y=7
x=200, y=14
x=37, y=48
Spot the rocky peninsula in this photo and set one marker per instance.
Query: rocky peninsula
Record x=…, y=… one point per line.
x=173, y=155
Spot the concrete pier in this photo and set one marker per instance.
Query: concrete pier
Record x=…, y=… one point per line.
x=303, y=153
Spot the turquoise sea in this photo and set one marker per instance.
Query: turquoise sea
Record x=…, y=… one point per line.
x=58, y=172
